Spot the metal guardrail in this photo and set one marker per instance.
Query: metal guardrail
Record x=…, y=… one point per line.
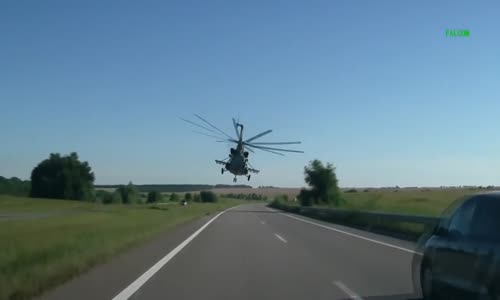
x=387, y=223
x=369, y=215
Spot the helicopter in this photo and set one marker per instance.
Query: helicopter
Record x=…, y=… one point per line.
x=237, y=162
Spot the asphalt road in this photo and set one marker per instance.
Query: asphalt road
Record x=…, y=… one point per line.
x=252, y=252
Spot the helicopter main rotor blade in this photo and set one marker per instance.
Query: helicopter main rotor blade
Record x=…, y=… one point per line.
x=236, y=128
x=258, y=135
x=213, y=126
x=274, y=152
x=227, y=141
x=248, y=148
x=250, y=165
x=206, y=134
x=275, y=149
x=277, y=143
x=198, y=125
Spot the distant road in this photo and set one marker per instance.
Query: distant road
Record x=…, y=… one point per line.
x=252, y=252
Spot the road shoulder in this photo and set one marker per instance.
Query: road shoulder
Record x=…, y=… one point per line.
x=108, y=279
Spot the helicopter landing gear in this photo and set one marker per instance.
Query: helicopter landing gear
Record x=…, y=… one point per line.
x=248, y=177
x=234, y=180
x=222, y=170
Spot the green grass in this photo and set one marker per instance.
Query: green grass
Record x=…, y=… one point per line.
x=39, y=253
x=431, y=202
x=423, y=202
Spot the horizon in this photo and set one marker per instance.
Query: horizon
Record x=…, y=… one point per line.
x=231, y=185
x=389, y=99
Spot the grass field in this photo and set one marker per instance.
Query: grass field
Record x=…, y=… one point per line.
x=421, y=201
x=431, y=202
x=45, y=242
x=416, y=201
x=424, y=201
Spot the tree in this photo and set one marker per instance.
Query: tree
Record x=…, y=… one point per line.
x=208, y=196
x=116, y=198
x=174, y=197
x=154, y=196
x=323, y=183
x=187, y=196
x=196, y=197
x=129, y=193
x=305, y=197
x=105, y=197
x=62, y=177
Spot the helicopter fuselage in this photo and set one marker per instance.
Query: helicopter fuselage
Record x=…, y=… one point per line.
x=237, y=163
x=238, y=159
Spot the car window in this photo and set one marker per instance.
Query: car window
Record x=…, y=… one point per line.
x=487, y=219
x=450, y=211
x=461, y=221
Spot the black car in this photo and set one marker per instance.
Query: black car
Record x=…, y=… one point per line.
x=460, y=257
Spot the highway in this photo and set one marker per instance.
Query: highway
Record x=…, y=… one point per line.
x=253, y=252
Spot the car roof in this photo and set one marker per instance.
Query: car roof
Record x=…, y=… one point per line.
x=490, y=194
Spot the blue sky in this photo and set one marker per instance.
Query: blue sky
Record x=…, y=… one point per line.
x=374, y=87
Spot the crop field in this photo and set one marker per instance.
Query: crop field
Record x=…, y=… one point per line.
x=45, y=242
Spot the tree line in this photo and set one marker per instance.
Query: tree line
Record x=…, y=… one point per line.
x=174, y=188
x=66, y=177
x=14, y=186
x=164, y=188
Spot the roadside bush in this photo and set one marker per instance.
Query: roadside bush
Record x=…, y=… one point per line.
x=174, y=197
x=306, y=197
x=187, y=196
x=276, y=202
x=106, y=197
x=116, y=198
x=129, y=193
x=351, y=191
x=154, y=196
x=196, y=197
x=100, y=196
x=280, y=198
x=323, y=184
x=208, y=196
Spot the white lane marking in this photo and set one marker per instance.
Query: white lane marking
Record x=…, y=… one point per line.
x=347, y=290
x=136, y=285
x=261, y=221
x=280, y=238
x=348, y=233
